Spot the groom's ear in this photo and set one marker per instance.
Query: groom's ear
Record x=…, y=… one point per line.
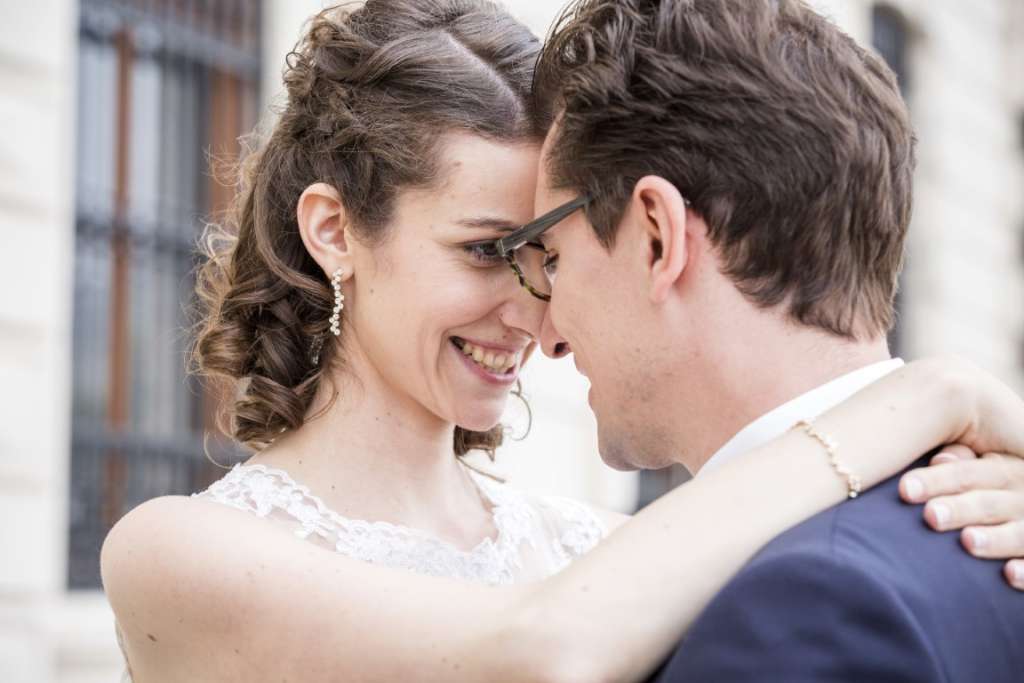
x=663, y=221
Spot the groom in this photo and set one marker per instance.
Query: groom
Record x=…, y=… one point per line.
x=748, y=169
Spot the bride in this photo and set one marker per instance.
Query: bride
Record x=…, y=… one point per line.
x=407, y=141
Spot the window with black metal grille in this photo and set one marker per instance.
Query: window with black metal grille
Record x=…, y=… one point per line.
x=160, y=86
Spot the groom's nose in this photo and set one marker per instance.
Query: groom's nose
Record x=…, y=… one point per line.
x=551, y=342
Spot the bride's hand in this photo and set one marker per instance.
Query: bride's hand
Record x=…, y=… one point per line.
x=993, y=421
x=982, y=496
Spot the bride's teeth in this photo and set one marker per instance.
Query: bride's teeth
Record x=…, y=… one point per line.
x=496, y=362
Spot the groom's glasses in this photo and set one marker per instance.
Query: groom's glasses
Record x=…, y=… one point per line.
x=534, y=267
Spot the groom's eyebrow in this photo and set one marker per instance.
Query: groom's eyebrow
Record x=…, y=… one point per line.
x=490, y=223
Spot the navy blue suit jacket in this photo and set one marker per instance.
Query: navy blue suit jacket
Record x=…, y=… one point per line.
x=861, y=592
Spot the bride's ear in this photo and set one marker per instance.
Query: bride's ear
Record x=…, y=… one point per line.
x=324, y=228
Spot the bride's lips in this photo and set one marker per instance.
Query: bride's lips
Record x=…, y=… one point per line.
x=499, y=379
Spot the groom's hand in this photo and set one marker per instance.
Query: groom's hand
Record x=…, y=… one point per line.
x=982, y=496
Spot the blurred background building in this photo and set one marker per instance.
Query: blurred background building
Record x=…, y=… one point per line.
x=109, y=112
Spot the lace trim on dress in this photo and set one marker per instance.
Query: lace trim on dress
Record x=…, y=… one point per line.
x=261, y=490
x=579, y=529
x=558, y=529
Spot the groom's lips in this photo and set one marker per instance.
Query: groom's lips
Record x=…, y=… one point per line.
x=590, y=390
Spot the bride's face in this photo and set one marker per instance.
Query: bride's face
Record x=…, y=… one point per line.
x=441, y=323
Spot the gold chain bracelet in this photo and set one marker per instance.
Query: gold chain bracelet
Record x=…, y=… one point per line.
x=853, y=482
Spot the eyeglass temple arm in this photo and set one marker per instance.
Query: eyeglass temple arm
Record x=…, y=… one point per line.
x=535, y=227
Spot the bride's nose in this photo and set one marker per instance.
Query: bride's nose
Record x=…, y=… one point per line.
x=523, y=311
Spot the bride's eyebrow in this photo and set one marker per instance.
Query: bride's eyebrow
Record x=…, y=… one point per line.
x=490, y=223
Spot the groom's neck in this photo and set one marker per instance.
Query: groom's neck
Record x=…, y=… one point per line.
x=751, y=380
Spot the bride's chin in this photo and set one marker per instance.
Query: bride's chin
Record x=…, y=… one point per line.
x=478, y=426
x=480, y=422
x=479, y=416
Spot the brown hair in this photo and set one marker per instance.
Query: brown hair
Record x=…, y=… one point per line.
x=370, y=92
x=790, y=140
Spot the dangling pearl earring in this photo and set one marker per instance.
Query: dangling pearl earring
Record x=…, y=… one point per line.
x=339, y=303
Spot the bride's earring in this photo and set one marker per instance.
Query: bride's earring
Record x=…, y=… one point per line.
x=339, y=304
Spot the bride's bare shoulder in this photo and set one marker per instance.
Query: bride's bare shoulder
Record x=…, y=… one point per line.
x=205, y=592
x=191, y=543
x=169, y=540
x=146, y=535
x=154, y=521
x=181, y=573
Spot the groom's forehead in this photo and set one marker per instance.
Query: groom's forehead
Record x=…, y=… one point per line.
x=545, y=197
x=543, y=176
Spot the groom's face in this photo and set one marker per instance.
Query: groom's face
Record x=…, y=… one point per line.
x=599, y=315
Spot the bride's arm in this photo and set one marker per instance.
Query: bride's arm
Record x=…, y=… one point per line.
x=223, y=604
x=672, y=546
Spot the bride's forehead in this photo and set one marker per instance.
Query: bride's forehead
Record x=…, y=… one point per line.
x=490, y=178
x=464, y=159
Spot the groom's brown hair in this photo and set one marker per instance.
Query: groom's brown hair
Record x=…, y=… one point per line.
x=791, y=141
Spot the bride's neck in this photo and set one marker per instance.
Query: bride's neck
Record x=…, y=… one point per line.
x=375, y=453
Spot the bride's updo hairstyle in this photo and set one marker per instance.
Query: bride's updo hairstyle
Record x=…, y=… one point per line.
x=370, y=90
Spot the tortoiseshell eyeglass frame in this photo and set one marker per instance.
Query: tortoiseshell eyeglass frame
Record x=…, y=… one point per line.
x=528, y=234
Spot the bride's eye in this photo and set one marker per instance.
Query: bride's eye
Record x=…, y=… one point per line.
x=485, y=253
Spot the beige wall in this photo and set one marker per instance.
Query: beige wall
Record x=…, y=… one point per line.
x=964, y=284
x=36, y=246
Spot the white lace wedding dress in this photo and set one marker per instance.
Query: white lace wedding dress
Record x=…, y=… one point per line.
x=536, y=535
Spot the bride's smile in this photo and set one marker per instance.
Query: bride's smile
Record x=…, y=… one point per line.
x=430, y=320
x=497, y=364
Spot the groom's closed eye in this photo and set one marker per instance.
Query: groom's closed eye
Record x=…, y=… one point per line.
x=550, y=264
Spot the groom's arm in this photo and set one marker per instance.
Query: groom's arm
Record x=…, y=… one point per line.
x=803, y=617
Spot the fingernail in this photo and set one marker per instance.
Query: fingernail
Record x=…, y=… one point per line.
x=913, y=487
x=979, y=539
x=1017, y=574
x=941, y=513
x=943, y=458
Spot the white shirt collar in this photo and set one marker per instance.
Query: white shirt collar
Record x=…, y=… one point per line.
x=804, y=407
